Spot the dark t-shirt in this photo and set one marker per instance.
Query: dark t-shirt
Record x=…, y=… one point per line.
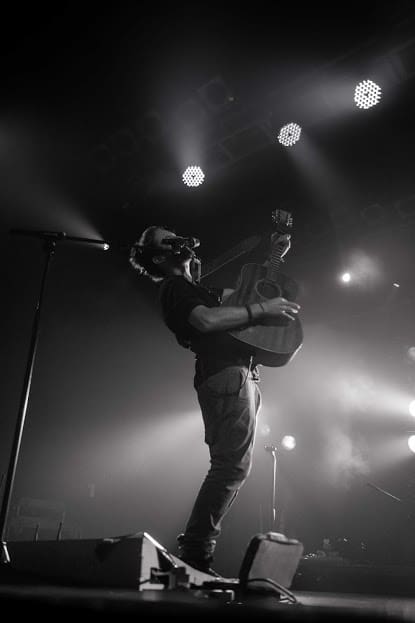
x=178, y=297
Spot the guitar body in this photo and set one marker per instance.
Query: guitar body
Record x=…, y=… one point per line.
x=271, y=346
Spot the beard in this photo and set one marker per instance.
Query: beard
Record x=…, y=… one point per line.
x=184, y=255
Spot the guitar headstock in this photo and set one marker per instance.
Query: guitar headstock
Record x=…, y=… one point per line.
x=283, y=221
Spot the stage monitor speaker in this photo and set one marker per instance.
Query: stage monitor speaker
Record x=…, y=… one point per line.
x=135, y=561
x=271, y=560
x=128, y=561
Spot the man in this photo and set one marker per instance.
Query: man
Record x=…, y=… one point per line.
x=226, y=381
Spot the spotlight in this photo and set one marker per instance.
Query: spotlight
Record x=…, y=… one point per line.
x=289, y=134
x=411, y=443
x=193, y=176
x=346, y=277
x=411, y=353
x=288, y=442
x=412, y=408
x=367, y=94
x=106, y=246
x=265, y=430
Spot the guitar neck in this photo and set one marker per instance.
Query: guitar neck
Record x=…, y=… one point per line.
x=275, y=262
x=229, y=256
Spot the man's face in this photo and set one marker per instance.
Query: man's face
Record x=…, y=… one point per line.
x=158, y=236
x=169, y=259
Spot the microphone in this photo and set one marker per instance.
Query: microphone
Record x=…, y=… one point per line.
x=178, y=242
x=59, y=236
x=53, y=235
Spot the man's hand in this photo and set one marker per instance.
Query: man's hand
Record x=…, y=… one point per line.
x=273, y=309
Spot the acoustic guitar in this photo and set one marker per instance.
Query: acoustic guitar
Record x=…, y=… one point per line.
x=274, y=345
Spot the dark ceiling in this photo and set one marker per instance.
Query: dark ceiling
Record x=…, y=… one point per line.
x=107, y=107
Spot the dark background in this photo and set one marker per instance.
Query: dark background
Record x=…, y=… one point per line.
x=100, y=113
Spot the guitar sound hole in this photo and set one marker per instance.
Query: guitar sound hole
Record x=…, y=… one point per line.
x=267, y=290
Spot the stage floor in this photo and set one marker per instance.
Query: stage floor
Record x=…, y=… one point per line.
x=44, y=602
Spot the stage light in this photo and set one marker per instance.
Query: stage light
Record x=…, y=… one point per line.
x=411, y=443
x=367, y=94
x=264, y=430
x=288, y=442
x=396, y=285
x=412, y=408
x=411, y=353
x=193, y=176
x=361, y=269
x=106, y=246
x=289, y=134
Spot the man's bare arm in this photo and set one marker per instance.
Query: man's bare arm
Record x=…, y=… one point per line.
x=210, y=319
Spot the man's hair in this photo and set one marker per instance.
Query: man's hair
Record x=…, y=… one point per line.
x=143, y=251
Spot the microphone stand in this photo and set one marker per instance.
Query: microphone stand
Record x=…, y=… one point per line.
x=50, y=238
x=386, y=493
x=273, y=451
